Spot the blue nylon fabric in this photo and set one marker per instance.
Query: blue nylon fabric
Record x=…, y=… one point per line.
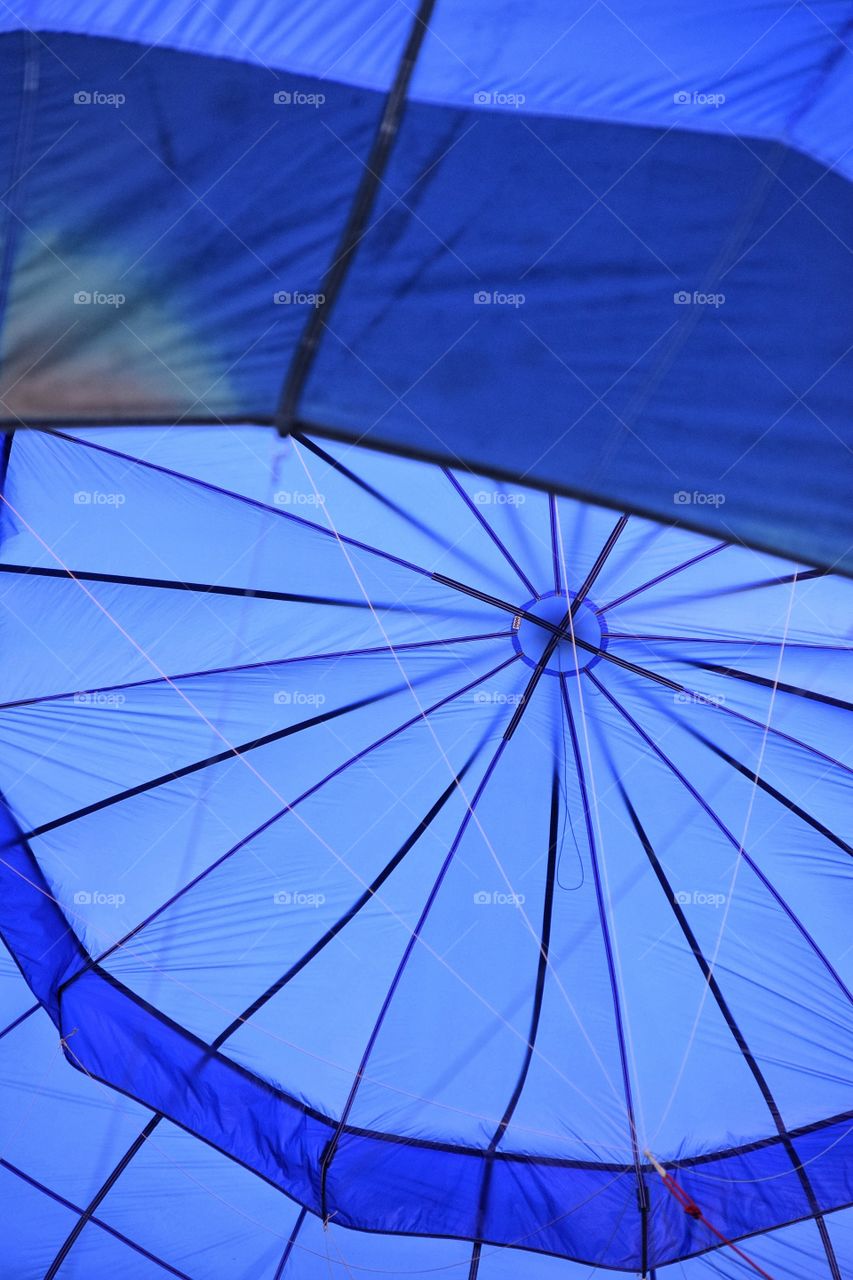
x=200, y=1215
x=172, y=224
x=34, y=919
x=335, y=934
x=599, y=199
x=539, y=300
x=767, y=71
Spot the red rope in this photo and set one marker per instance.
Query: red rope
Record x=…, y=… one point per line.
x=692, y=1210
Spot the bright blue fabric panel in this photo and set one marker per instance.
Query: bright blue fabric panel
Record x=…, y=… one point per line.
x=320, y=955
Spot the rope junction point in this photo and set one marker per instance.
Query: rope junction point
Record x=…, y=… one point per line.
x=692, y=1210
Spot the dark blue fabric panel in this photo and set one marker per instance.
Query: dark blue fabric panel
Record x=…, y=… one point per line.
x=123, y=1042
x=196, y=198
x=763, y=68
x=195, y=1213
x=421, y=1189
x=179, y=198
x=833, y=1182
x=32, y=924
x=584, y=371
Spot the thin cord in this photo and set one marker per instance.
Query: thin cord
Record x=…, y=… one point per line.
x=692, y=1210
x=269, y=786
x=738, y=859
x=475, y=817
